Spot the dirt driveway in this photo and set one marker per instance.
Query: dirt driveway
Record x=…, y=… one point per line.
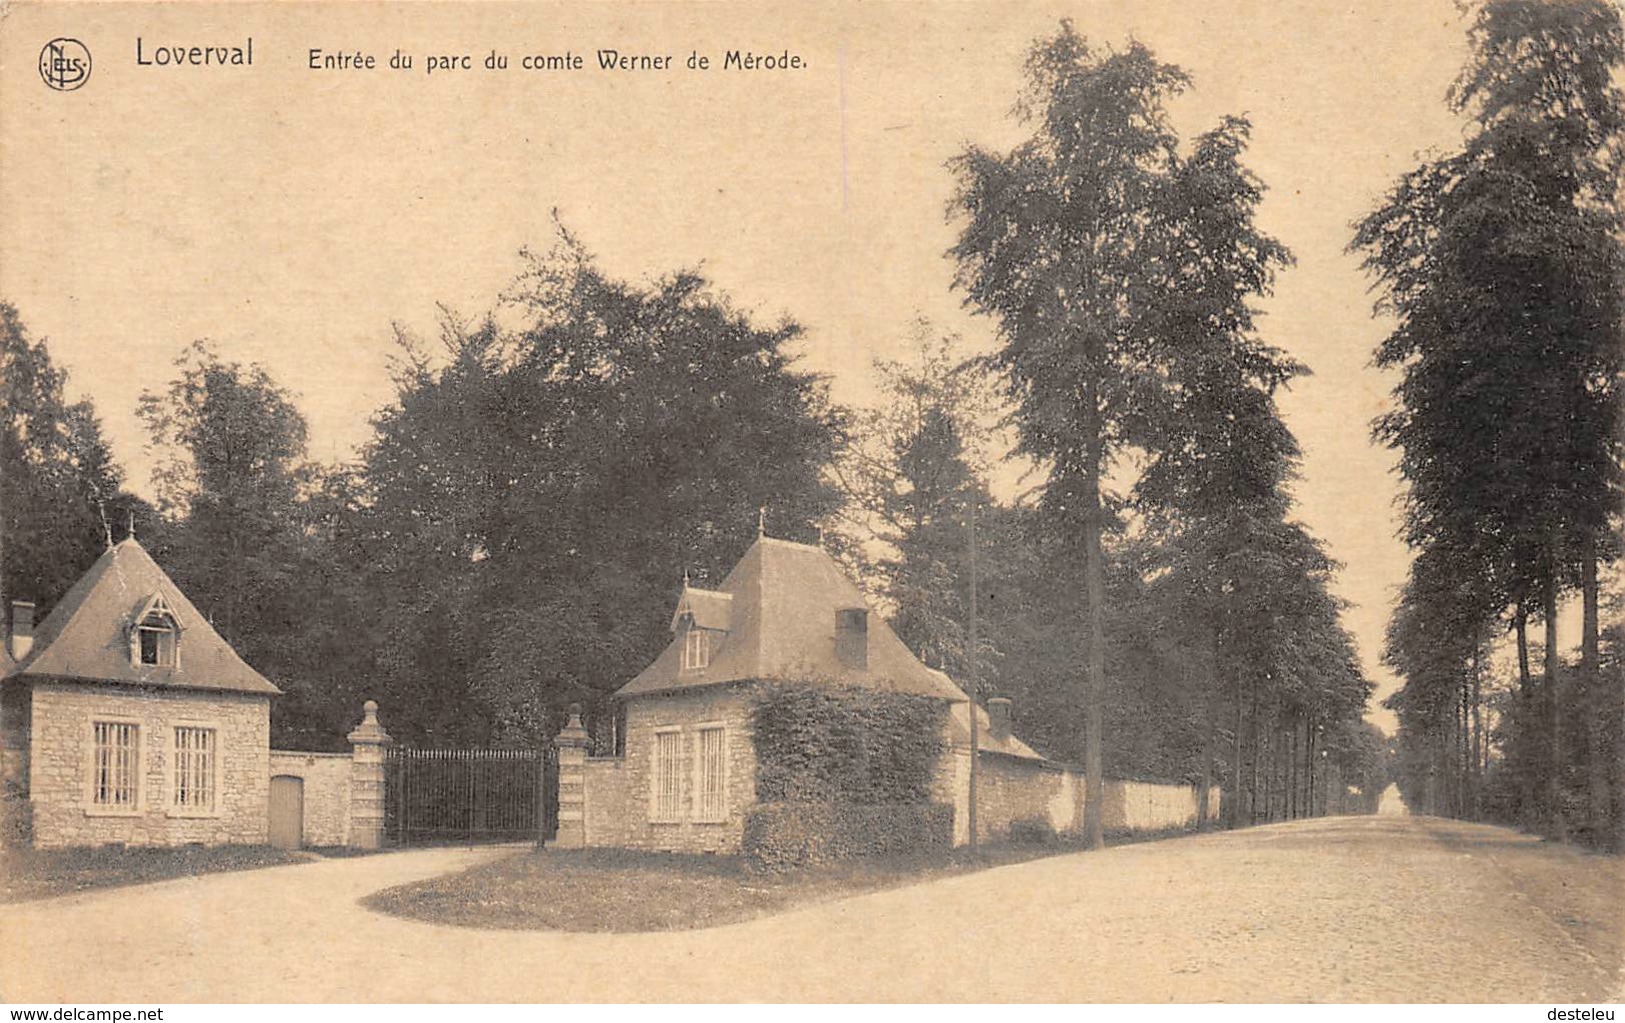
x=1351, y=909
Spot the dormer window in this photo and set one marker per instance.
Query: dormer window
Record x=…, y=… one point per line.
x=155, y=638
x=852, y=637
x=696, y=648
x=701, y=624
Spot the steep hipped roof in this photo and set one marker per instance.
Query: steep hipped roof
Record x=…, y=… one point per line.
x=781, y=604
x=86, y=635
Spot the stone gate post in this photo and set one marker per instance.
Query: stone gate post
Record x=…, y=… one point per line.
x=572, y=742
x=368, y=744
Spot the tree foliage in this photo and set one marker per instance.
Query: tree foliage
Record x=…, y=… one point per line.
x=62, y=502
x=251, y=535
x=1502, y=266
x=532, y=500
x=1119, y=270
x=912, y=471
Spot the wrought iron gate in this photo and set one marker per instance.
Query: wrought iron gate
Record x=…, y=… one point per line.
x=471, y=795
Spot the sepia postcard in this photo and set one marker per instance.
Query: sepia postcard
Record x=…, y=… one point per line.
x=1098, y=501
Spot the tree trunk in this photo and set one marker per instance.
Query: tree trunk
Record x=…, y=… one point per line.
x=1210, y=748
x=1306, y=773
x=1210, y=730
x=973, y=677
x=1254, y=737
x=1526, y=705
x=1237, y=780
x=1307, y=786
x=1466, y=760
x=1599, y=810
x=1554, y=781
x=1292, y=753
x=1094, y=682
x=1478, y=732
x=1520, y=624
x=1263, y=751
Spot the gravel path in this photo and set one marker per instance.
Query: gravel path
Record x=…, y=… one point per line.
x=1348, y=909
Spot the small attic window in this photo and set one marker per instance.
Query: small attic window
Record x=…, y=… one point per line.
x=852, y=637
x=155, y=640
x=696, y=648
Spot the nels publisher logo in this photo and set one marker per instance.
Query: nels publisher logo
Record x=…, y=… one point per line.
x=64, y=64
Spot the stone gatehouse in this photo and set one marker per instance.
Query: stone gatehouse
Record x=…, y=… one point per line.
x=125, y=718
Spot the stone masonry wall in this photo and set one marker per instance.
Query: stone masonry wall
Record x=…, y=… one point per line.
x=619, y=790
x=1009, y=790
x=327, y=792
x=1148, y=806
x=59, y=770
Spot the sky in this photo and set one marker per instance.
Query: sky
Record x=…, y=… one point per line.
x=293, y=215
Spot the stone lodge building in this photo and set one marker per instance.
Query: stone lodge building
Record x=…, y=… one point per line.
x=687, y=772
x=125, y=718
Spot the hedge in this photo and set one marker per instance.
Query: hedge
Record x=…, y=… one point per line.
x=781, y=836
x=825, y=743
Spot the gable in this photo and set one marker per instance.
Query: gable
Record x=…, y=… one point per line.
x=708, y=609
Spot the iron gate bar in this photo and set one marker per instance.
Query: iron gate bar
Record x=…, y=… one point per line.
x=471, y=794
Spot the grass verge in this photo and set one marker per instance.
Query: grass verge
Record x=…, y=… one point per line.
x=41, y=873
x=622, y=890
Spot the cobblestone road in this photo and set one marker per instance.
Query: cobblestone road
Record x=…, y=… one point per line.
x=1350, y=909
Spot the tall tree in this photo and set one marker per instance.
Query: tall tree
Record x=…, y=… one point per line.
x=1215, y=491
x=250, y=535
x=1502, y=265
x=534, y=497
x=1078, y=243
x=912, y=470
x=231, y=448
x=62, y=504
x=1056, y=246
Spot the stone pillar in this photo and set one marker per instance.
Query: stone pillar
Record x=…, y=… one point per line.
x=368, y=744
x=572, y=742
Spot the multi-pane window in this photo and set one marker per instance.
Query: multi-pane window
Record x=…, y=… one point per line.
x=117, y=764
x=668, y=776
x=194, y=768
x=711, y=756
x=696, y=648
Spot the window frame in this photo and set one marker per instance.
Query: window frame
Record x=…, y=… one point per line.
x=702, y=813
x=138, y=788
x=166, y=642
x=172, y=769
x=657, y=809
x=696, y=648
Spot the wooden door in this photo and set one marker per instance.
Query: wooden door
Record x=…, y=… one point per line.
x=287, y=812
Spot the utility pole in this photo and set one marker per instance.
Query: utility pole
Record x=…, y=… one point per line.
x=971, y=677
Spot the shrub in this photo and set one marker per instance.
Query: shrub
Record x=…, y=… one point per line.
x=825, y=743
x=1032, y=831
x=16, y=816
x=782, y=836
x=844, y=772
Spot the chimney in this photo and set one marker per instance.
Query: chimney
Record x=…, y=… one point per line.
x=998, y=718
x=852, y=637
x=22, y=628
